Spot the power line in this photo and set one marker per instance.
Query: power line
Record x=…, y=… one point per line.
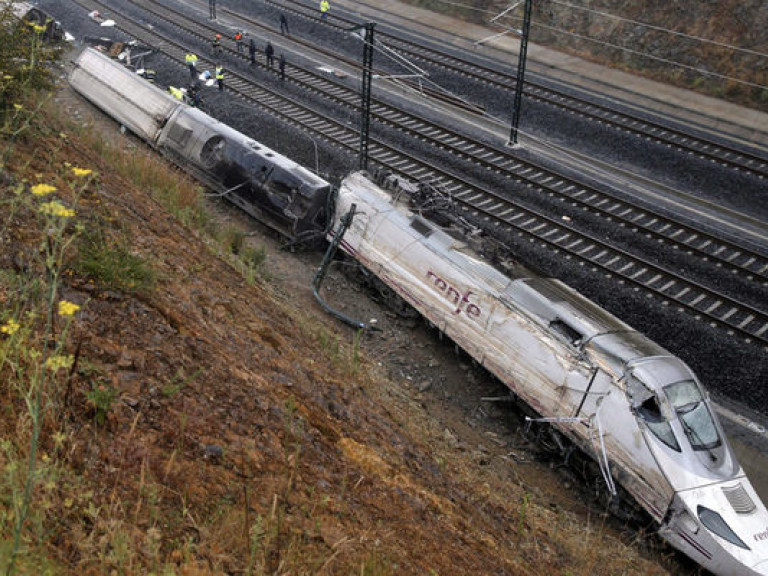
x=662, y=29
x=652, y=57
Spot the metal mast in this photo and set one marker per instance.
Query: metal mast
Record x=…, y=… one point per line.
x=365, y=93
x=520, y=72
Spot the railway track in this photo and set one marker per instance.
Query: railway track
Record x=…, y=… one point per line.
x=499, y=160
x=716, y=308
x=739, y=160
x=730, y=256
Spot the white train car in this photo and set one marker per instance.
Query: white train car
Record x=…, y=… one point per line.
x=625, y=401
x=267, y=185
x=33, y=16
x=136, y=104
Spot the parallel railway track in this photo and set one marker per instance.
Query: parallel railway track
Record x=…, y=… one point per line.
x=739, y=160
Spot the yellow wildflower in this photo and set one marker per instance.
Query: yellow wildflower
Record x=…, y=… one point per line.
x=55, y=363
x=10, y=327
x=56, y=208
x=18, y=107
x=81, y=171
x=67, y=308
x=42, y=189
x=63, y=135
x=7, y=77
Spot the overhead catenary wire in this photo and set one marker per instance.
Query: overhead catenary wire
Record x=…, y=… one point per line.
x=662, y=29
x=497, y=16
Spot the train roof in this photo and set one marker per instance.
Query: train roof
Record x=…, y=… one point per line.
x=615, y=343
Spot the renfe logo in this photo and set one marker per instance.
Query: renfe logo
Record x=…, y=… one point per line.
x=461, y=301
x=761, y=536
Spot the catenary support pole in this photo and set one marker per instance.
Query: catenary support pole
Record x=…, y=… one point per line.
x=520, y=72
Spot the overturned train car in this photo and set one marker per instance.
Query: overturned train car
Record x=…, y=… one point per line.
x=33, y=16
x=632, y=406
x=268, y=186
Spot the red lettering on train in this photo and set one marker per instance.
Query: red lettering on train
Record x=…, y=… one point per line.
x=761, y=536
x=453, y=295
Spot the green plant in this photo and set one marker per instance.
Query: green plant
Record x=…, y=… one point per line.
x=101, y=397
x=35, y=333
x=178, y=382
x=112, y=265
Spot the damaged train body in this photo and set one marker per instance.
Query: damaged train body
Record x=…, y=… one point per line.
x=625, y=401
x=267, y=185
x=33, y=16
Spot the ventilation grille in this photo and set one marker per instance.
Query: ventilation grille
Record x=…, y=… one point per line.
x=739, y=499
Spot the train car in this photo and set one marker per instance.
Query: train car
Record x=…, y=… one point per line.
x=267, y=185
x=34, y=16
x=626, y=402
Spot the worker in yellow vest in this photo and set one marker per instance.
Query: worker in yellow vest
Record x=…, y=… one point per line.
x=176, y=92
x=220, y=76
x=324, y=7
x=191, y=60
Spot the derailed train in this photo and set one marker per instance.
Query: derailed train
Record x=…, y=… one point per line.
x=622, y=399
x=34, y=16
x=267, y=185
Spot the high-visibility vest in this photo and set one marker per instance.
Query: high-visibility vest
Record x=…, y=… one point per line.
x=324, y=6
x=219, y=73
x=176, y=92
x=191, y=59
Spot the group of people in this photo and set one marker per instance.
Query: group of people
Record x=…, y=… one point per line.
x=192, y=94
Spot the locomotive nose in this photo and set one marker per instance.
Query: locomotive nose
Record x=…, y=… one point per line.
x=723, y=526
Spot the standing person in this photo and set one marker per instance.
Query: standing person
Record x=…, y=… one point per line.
x=281, y=66
x=239, y=41
x=252, y=51
x=217, y=50
x=324, y=7
x=284, y=25
x=269, y=52
x=220, y=76
x=191, y=59
x=212, y=9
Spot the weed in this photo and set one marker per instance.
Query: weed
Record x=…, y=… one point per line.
x=113, y=266
x=101, y=397
x=178, y=382
x=523, y=512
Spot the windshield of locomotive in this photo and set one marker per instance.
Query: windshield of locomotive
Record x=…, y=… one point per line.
x=694, y=415
x=649, y=408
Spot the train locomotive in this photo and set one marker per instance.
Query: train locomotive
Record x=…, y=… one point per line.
x=627, y=403
x=636, y=409
x=270, y=187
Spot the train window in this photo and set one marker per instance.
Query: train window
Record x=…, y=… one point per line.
x=647, y=406
x=421, y=227
x=179, y=134
x=213, y=151
x=573, y=336
x=693, y=414
x=651, y=413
